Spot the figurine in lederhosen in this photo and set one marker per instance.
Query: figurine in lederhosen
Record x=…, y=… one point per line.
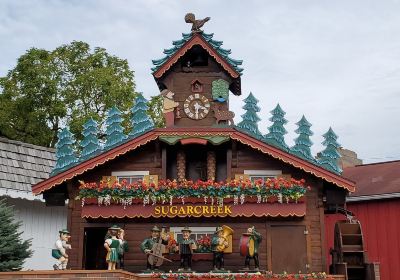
x=186, y=247
x=59, y=251
x=249, y=243
x=148, y=244
x=218, y=244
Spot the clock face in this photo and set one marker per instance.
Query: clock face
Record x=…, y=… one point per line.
x=196, y=106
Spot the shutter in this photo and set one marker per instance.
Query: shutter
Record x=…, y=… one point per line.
x=109, y=179
x=148, y=179
x=241, y=177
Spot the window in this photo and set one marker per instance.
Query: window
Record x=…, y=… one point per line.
x=129, y=176
x=197, y=232
x=255, y=175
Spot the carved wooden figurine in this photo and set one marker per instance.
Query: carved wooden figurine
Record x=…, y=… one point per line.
x=186, y=247
x=59, y=250
x=153, y=249
x=169, y=106
x=123, y=248
x=218, y=245
x=223, y=115
x=249, y=243
x=112, y=245
x=196, y=24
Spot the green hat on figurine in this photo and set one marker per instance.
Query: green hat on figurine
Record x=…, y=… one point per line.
x=63, y=231
x=114, y=227
x=156, y=228
x=186, y=229
x=218, y=229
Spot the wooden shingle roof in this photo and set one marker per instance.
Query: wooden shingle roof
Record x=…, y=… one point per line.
x=23, y=165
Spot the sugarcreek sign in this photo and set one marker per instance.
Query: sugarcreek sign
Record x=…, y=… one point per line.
x=192, y=210
x=195, y=210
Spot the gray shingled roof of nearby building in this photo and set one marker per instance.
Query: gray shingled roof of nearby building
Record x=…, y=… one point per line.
x=23, y=165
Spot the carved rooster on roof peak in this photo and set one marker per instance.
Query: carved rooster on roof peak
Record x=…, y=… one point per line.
x=196, y=24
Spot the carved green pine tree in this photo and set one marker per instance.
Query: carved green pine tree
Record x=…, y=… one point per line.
x=303, y=142
x=250, y=118
x=90, y=143
x=329, y=156
x=65, y=152
x=140, y=120
x=276, y=130
x=114, y=130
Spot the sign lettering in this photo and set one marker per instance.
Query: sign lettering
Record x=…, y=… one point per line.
x=191, y=210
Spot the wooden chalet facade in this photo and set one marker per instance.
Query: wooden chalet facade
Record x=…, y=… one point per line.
x=195, y=148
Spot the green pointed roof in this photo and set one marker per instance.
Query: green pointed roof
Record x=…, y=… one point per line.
x=224, y=53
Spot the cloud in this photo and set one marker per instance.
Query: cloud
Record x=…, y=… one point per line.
x=336, y=62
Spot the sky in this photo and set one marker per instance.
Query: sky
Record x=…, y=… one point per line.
x=336, y=62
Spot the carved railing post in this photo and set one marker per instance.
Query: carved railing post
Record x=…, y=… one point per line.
x=211, y=165
x=181, y=165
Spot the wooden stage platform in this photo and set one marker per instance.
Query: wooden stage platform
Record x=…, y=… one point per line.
x=125, y=275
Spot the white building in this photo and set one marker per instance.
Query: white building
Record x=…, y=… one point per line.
x=23, y=165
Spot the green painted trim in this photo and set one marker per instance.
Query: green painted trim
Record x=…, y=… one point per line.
x=171, y=140
x=215, y=140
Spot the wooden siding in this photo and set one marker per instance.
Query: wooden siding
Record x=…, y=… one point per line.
x=180, y=82
x=41, y=224
x=243, y=157
x=380, y=224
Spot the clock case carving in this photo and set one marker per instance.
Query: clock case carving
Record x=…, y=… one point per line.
x=193, y=73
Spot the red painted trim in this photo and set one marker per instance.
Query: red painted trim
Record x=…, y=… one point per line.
x=93, y=162
x=295, y=161
x=197, y=131
x=187, y=141
x=195, y=40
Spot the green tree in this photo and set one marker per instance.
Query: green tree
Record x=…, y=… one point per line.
x=156, y=110
x=302, y=147
x=140, y=120
x=250, y=117
x=114, y=130
x=277, y=131
x=48, y=90
x=65, y=152
x=90, y=143
x=13, y=250
x=328, y=158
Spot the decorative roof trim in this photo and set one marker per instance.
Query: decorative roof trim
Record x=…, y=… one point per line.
x=93, y=162
x=294, y=161
x=195, y=132
x=196, y=39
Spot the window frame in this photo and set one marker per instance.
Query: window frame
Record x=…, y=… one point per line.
x=264, y=174
x=129, y=174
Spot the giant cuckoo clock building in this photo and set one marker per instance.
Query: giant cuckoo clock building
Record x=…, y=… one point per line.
x=200, y=171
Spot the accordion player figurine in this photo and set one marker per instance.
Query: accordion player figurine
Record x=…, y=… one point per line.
x=186, y=247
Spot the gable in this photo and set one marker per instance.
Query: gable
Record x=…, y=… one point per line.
x=210, y=46
x=234, y=134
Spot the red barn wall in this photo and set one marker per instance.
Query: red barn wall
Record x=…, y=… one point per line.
x=381, y=227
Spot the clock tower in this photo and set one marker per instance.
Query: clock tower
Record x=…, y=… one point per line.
x=200, y=74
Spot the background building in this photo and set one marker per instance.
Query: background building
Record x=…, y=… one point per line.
x=23, y=165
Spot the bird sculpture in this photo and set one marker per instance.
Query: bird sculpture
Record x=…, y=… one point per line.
x=196, y=24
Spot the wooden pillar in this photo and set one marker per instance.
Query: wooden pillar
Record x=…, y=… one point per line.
x=211, y=165
x=164, y=163
x=181, y=165
x=229, y=164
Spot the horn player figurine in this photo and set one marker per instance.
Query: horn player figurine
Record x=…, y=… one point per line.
x=218, y=244
x=249, y=243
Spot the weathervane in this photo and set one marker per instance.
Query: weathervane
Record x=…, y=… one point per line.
x=196, y=24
